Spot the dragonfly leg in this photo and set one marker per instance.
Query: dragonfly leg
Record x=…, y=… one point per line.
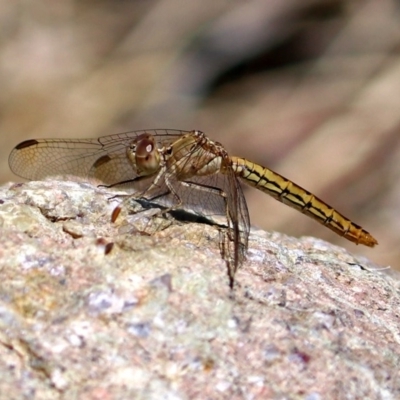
x=145, y=195
x=230, y=234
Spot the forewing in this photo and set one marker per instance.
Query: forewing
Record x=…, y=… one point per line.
x=103, y=158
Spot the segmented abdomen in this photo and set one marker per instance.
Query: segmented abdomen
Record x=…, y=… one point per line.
x=295, y=196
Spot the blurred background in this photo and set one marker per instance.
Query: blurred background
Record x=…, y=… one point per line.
x=309, y=88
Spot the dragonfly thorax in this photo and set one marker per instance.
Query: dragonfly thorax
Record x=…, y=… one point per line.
x=191, y=155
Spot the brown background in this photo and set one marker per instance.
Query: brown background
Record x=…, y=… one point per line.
x=308, y=88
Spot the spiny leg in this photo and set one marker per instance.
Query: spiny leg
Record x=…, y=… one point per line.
x=145, y=195
x=228, y=236
x=136, y=196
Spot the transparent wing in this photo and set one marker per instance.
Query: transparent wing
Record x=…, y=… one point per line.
x=237, y=208
x=101, y=158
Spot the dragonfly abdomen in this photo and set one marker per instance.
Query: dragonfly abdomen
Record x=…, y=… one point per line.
x=296, y=197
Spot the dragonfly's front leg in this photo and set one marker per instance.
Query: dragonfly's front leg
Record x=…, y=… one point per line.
x=136, y=196
x=126, y=182
x=117, y=210
x=162, y=179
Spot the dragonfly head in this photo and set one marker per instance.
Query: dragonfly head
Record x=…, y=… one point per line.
x=144, y=155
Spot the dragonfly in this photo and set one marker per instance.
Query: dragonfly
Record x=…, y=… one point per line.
x=179, y=170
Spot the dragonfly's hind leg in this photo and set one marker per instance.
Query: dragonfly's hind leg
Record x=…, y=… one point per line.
x=228, y=236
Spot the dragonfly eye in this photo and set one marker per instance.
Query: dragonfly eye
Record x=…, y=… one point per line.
x=147, y=157
x=145, y=148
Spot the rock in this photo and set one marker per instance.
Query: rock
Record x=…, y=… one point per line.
x=91, y=309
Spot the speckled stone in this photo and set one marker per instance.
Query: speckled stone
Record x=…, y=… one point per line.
x=91, y=309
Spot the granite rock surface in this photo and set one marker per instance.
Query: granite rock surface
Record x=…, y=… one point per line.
x=91, y=309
